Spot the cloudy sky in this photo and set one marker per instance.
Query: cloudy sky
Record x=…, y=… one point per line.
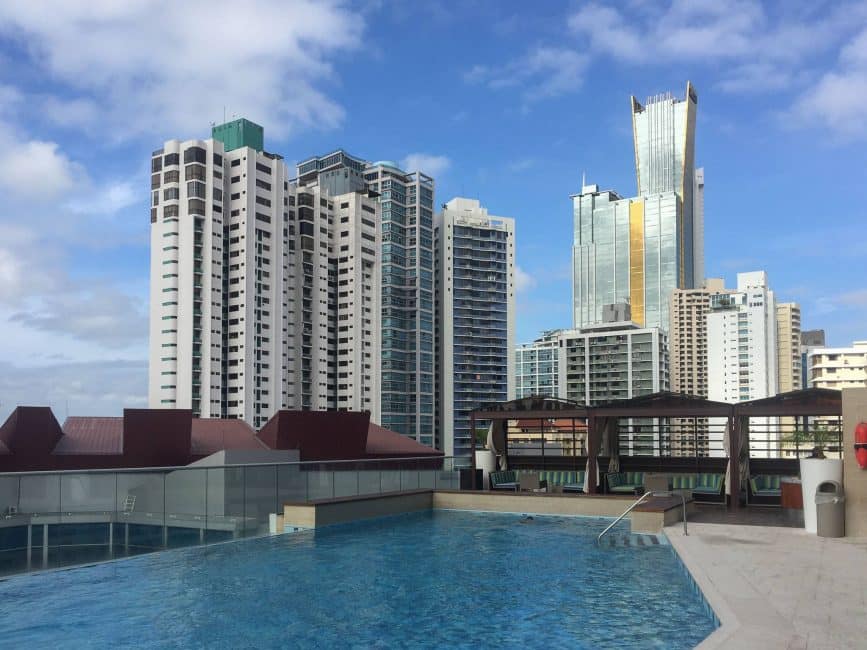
x=499, y=100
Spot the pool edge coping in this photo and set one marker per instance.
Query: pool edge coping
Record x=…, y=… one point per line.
x=729, y=622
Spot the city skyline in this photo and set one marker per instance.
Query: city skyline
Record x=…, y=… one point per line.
x=75, y=130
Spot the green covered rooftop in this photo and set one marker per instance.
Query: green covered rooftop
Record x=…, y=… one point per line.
x=239, y=133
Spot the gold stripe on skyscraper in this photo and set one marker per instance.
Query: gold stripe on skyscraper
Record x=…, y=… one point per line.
x=636, y=260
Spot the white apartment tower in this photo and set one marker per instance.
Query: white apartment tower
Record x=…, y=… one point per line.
x=246, y=272
x=475, y=281
x=742, y=350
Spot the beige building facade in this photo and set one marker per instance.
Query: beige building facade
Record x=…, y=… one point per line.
x=788, y=346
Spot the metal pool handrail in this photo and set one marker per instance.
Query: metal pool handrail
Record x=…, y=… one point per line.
x=640, y=499
x=625, y=512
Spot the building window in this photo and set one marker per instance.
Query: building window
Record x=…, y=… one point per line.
x=196, y=206
x=195, y=155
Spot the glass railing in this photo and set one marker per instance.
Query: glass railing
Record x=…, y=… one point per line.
x=53, y=519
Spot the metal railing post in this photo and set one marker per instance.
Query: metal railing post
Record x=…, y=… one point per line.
x=165, y=515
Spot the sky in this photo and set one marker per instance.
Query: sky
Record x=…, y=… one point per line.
x=508, y=102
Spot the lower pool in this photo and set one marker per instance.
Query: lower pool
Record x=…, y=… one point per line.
x=429, y=579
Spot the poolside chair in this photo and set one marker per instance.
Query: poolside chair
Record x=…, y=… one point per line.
x=764, y=489
x=506, y=480
x=625, y=482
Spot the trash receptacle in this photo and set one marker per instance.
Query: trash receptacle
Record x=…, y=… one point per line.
x=830, y=509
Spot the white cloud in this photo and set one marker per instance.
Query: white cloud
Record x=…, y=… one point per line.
x=836, y=101
x=36, y=170
x=522, y=164
x=523, y=280
x=102, y=387
x=435, y=166
x=540, y=73
x=109, y=199
x=165, y=67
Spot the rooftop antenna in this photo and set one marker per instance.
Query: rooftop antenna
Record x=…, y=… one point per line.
x=583, y=180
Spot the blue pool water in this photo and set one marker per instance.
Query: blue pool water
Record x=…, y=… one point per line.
x=432, y=579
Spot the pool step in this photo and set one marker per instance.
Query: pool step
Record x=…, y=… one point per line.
x=634, y=540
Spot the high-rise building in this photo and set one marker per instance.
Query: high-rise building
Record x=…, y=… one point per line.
x=742, y=341
x=688, y=362
x=537, y=366
x=638, y=250
x=406, y=317
x=788, y=347
x=475, y=316
x=332, y=300
x=245, y=271
x=698, y=228
x=663, y=131
x=742, y=351
x=839, y=368
x=688, y=337
x=406, y=201
x=810, y=340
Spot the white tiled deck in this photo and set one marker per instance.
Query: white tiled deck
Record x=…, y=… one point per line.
x=778, y=587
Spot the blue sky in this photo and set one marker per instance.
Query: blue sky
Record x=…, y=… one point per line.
x=506, y=102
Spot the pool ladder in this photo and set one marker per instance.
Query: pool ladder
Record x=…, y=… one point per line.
x=638, y=502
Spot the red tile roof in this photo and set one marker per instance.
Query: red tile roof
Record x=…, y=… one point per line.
x=212, y=435
x=91, y=435
x=383, y=442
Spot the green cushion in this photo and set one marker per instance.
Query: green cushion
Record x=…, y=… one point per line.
x=765, y=483
x=509, y=476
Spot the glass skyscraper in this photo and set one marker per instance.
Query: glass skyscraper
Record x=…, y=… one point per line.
x=407, y=333
x=638, y=250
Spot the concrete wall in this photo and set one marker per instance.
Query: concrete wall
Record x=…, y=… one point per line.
x=338, y=511
x=854, y=478
x=554, y=504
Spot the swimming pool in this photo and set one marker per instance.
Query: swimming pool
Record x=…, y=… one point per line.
x=435, y=578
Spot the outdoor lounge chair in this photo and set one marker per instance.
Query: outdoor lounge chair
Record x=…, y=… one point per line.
x=624, y=482
x=709, y=487
x=765, y=489
x=506, y=480
x=567, y=480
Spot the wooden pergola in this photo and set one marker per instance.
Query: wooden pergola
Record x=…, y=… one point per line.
x=814, y=402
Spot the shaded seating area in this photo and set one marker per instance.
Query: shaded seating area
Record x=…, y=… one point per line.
x=774, y=433
x=725, y=453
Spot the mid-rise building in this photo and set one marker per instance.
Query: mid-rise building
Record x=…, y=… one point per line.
x=788, y=347
x=537, y=366
x=610, y=361
x=613, y=361
x=638, y=250
x=246, y=268
x=839, y=368
x=810, y=340
x=742, y=352
x=475, y=316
